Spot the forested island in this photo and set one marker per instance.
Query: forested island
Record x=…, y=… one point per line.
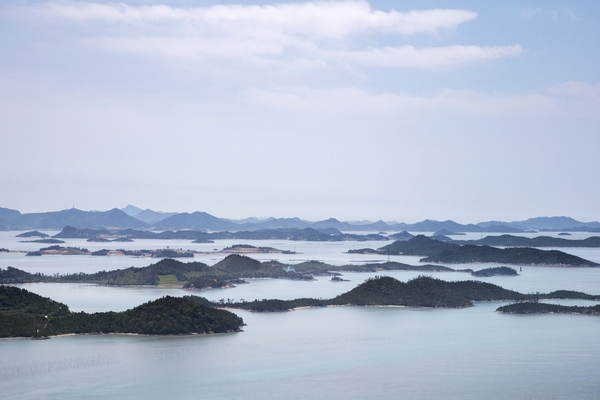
x=539, y=241
x=422, y=291
x=26, y=314
x=495, y=271
x=545, y=308
x=512, y=255
x=196, y=275
x=449, y=252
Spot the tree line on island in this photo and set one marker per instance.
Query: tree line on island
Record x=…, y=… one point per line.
x=26, y=314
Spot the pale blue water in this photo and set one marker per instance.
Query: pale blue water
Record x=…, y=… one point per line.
x=330, y=353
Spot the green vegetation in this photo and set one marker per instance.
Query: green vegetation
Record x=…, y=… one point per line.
x=25, y=314
x=422, y=291
x=167, y=280
x=195, y=275
x=450, y=252
x=209, y=282
x=14, y=300
x=495, y=271
x=46, y=241
x=420, y=245
x=513, y=255
x=540, y=241
x=254, y=249
x=544, y=308
x=419, y=292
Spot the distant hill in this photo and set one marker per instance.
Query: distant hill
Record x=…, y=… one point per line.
x=114, y=218
x=545, y=223
x=152, y=217
x=131, y=210
x=419, y=246
x=136, y=218
x=539, y=241
x=197, y=221
x=513, y=255
x=275, y=223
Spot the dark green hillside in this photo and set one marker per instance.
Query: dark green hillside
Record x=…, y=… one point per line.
x=24, y=314
x=423, y=292
x=12, y=275
x=14, y=300
x=208, y=282
x=540, y=241
x=420, y=245
x=544, y=308
x=239, y=266
x=507, y=271
x=514, y=255
x=149, y=275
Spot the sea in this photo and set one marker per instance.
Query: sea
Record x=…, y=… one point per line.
x=312, y=353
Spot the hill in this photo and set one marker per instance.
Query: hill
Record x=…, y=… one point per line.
x=513, y=255
x=544, y=308
x=422, y=291
x=24, y=314
x=419, y=245
x=114, y=218
x=539, y=241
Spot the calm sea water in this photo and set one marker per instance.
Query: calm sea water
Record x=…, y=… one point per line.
x=330, y=353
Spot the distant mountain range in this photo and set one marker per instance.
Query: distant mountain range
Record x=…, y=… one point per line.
x=132, y=217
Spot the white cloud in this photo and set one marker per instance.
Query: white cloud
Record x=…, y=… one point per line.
x=294, y=35
x=332, y=19
x=409, y=56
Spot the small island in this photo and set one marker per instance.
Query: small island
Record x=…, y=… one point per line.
x=32, y=234
x=45, y=241
x=545, y=308
x=249, y=249
x=495, y=271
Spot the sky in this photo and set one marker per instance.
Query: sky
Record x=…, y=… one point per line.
x=393, y=110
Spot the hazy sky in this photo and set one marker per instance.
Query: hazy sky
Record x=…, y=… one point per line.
x=394, y=110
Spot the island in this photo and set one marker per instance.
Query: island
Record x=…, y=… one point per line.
x=422, y=291
x=46, y=241
x=450, y=252
x=248, y=248
x=32, y=234
x=26, y=314
x=232, y=270
x=511, y=255
x=539, y=241
x=495, y=271
x=545, y=308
